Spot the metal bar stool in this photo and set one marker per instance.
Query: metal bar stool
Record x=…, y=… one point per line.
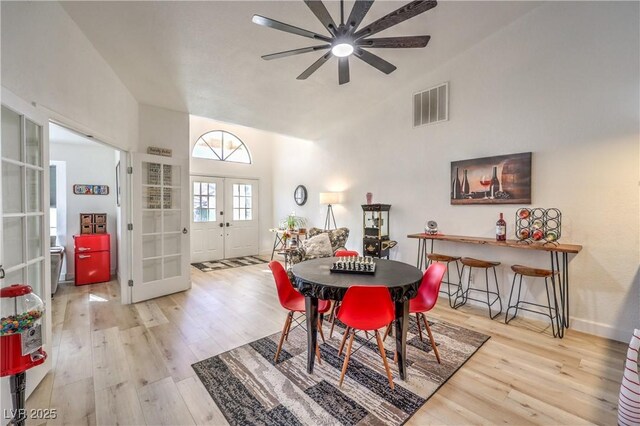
x=443, y=258
x=553, y=315
x=464, y=294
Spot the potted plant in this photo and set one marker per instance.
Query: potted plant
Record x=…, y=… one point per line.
x=295, y=222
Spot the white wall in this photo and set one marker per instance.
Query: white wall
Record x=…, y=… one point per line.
x=260, y=144
x=562, y=82
x=87, y=164
x=47, y=59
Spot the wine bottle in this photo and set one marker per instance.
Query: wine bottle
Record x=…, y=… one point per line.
x=456, y=187
x=501, y=229
x=465, y=184
x=495, y=183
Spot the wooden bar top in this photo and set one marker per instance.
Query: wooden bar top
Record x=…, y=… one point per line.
x=563, y=248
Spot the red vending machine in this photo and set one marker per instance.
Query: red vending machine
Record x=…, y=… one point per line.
x=92, y=258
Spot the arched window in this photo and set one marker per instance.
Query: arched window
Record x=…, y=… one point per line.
x=221, y=146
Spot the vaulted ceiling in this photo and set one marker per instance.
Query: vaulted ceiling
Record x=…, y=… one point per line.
x=204, y=57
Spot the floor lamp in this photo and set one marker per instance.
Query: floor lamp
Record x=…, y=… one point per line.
x=330, y=198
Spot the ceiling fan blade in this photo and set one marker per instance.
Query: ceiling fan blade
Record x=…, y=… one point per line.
x=318, y=8
x=343, y=70
x=272, y=23
x=395, y=42
x=358, y=12
x=317, y=64
x=399, y=15
x=295, y=52
x=375, y=61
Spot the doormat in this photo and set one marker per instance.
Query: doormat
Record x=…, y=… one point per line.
x=249, y=388
x=216, y=265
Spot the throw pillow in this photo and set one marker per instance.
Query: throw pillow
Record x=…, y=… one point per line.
x=318, y=246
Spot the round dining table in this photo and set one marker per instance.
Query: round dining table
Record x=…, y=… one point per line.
x=314, y=279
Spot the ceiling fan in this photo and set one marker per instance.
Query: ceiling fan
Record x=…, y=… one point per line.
x=345, y=39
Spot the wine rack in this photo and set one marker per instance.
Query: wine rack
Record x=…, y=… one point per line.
x=538, y=225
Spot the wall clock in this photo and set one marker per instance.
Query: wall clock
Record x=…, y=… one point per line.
x=300, y=195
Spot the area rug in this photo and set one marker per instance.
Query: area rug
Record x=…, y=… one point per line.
x=216, y=265
x=249, y=388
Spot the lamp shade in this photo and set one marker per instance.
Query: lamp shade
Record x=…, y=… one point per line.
x=330, y=197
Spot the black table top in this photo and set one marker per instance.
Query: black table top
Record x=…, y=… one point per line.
x=313, y=278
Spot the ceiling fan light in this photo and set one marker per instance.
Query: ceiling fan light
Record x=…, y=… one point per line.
x=342, y=50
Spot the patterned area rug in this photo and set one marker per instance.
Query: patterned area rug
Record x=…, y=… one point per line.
x=216, y=265
x=250, y=389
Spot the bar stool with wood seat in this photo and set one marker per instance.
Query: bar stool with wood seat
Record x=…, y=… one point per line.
x=463, y=295
x=553, y=315
x=446, y=259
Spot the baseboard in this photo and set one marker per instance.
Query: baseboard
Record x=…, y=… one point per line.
x=602, y=330
x=578, y=324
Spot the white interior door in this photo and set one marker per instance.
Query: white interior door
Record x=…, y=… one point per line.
x=207, y=218
x=24, y=235
x=241, y=218
x=160, y=226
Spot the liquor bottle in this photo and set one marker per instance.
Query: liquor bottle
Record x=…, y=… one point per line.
x=465, y=184
x=501, y=229
x=456, y=187
x=495, y=183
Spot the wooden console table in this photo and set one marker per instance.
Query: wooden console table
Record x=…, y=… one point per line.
x=554, y=249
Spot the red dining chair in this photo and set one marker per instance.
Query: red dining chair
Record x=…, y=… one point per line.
x=365, y=308
x=293, y=301
x=426, y=300
x=336, y=304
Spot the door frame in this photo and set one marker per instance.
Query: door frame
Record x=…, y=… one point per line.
x=124, y=248
x=257, y=179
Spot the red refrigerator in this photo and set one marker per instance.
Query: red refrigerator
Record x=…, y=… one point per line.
x=92, y=258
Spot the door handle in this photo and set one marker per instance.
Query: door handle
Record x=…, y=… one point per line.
x=83, y=256
x=184, y=231
x=1, y=272
x=228, y=224
x=221, y=225
x=83, y=248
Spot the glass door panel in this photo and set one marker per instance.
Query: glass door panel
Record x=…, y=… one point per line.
x=11, y=135
x=33, y=149
x=11, y=181
x=34, y=190
x=13, y=241
x=34, y=237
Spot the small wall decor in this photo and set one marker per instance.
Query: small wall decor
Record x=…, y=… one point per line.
x=300, y=195
x=91, y=189
x=165, y=152
x=504, y=179
x=538, y=225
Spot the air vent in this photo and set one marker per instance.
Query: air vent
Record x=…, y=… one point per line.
x=431, y=105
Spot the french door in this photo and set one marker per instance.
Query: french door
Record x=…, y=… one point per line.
x=24, y=228
x=242, y=233
x=224, y=218
x=160, y=226
x=207, y=227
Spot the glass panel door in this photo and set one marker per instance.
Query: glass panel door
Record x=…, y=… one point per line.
x=22, y=206
x=22, y=215
x=162, y=238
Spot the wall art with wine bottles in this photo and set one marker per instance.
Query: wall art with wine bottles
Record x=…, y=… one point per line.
x=503, y=179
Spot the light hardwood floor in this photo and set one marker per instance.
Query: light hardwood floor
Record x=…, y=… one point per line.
x=115, y=364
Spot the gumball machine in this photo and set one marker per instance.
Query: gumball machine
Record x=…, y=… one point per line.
x=20, y=341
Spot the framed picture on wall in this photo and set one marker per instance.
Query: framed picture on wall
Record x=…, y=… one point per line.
x=503, y=179
x=118, y=184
